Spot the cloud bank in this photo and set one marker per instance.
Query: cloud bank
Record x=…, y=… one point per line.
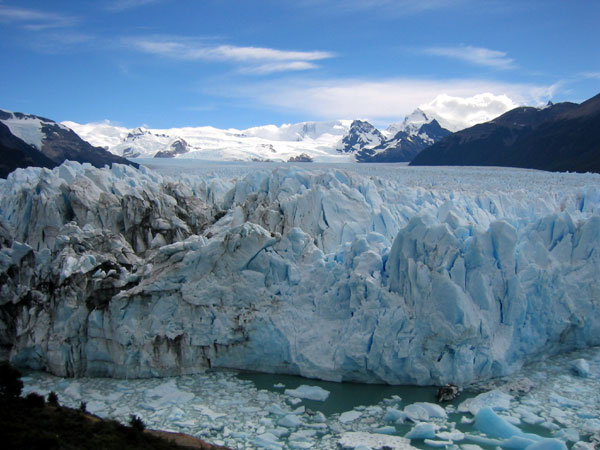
x=461, y=102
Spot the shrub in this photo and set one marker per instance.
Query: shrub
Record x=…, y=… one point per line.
x=11, y=385
x=136, y=423
x=83, y=407
x=53, y=399
x=35, y=400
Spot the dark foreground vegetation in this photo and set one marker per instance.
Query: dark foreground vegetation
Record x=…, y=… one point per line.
x=33, y=422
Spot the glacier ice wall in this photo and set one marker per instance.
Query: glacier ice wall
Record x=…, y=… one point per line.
x=322, y=273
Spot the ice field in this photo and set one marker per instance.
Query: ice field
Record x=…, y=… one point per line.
x=550, y=404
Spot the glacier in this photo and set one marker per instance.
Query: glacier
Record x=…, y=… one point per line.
x=391, y=275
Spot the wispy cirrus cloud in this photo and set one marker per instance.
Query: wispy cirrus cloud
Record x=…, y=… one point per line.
x=33, y=19
x=253, y=60
x=123, y=5
x=474, y=55
x=389, y=7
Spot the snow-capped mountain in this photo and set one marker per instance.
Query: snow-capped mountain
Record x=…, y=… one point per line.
x=335, y=141
x=361, y=135
x=318, y=140
x=410, y=124
x=22, y=135
x=399, y=143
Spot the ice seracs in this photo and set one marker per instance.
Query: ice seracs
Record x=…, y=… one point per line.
x=426, y=276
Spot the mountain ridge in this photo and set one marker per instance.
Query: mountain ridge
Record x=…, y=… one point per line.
x=30, y=140
x=560, y=137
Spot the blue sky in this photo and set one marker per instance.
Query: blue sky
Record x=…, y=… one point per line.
x=242, y=63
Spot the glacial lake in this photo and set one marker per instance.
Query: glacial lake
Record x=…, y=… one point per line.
x=241, y=409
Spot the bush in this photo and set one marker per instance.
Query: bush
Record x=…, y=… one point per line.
x=11, y=385
x=136, y=423
x=53, y=399
x=83, y=407
x=34, y=400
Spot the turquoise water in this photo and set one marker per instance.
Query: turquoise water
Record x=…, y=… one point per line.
x=347, y=396
x=343, y=396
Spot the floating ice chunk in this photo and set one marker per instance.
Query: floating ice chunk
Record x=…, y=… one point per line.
x=591, y=426
x=301, y=445
x=388, y=429
x=433, y=410
x=548, y=444
x=290, y=421
x=564, y=401
x=393, y=415
x=454, y=436
x=436, y=444
x=483, y=440
x=308, y=392
x=416, y=413
x=422, y=431
x=276, y=410
x=279, y=386
x=488, y=422
x=567, y=434
x=470, y=447
x=496, y=400
x=268, y=441
x=352, y=440
x=581, y=367
x=206, y=411
x=349, y=416
x=167, y=394
x=582, y=446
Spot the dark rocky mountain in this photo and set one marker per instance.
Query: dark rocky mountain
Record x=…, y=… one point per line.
x=57, y=143
x=178, y=147
x=405, y=145
x=16, y=153
x=559, y=137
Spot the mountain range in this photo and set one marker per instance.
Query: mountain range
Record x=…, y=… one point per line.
x=28, y=140
x=334, y=141
x=559, y=137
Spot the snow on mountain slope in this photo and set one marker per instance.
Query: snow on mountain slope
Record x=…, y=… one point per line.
x=25, y=127
x=415, y=276
x=317, y=139
x=24, y=135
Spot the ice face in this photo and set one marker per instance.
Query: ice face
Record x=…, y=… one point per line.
x=415, y=276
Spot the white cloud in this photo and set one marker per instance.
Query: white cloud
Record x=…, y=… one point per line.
x=33, y=19
x=255, y=60
x=389, y=100
x=456, y=113
x=474, y=55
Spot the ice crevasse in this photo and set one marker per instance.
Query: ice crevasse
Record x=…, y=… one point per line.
x=322, y=273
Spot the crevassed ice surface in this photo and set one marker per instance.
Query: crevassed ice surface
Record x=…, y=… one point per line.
x=371, y=273
x=552, y=403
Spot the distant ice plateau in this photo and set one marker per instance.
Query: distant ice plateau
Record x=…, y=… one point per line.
x=389, y=274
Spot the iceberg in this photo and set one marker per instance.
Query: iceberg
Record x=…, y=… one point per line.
x=308, y=392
